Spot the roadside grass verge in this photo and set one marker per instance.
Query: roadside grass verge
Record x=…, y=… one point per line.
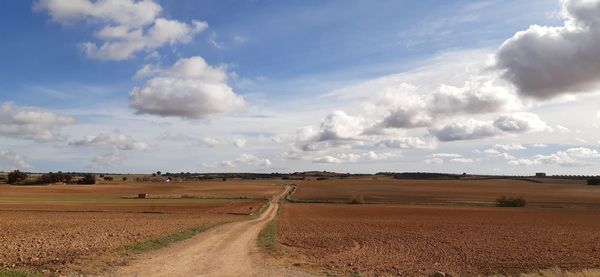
x=153, y=244
x=18, y=273
x=261, y=210
x=267, y=237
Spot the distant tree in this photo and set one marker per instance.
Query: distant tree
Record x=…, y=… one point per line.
x=593, y=181
x=57, y=177
x=108, y=178
x=16, y=176
x=124, y=178
x=88, y=179
x=158, y=173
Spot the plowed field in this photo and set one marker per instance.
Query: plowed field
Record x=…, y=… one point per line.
x=56, y=228
x=548, y=192
x=403, y=240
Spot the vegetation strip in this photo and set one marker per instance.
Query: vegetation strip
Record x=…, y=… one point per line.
x=18, y=273
x=267, y=238
x=148, y=245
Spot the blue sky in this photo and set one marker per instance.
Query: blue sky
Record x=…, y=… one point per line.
x=357, y=86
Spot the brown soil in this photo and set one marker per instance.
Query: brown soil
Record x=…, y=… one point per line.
x=227, y=250
x=550, y=192
x=403, y=240
x=54, y=228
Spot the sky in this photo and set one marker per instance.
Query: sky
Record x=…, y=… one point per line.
x=129, y=86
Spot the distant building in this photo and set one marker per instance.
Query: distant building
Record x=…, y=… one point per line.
x=540, y=174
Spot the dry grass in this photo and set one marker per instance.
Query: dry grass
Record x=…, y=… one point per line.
x=555, y=272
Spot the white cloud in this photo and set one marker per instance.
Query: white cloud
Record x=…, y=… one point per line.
x=445, y=155
x=583, y=152
x=521, y=123
x=189, y=89
x=247, y=159
x=570, y=157
x=408, y=143
x=356, y=157
x=239, y=143
x=465, y=130
x=461, y=160
x=544, y=62
x=31, y=123
x=434, y=161
x=130, y=26
x=107, y=160
x=510, y=146
x=475, y=97
x=562, y=129
x=10, y=160
x=114, y=140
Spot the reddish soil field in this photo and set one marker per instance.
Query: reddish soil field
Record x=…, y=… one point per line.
x=51, y=241
x=550, y=192
x=233, y=188
x=393, y=240
x=60, y=227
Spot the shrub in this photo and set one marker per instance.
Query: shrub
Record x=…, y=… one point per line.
x=50, y=178
x=124, y=178
x=593, y=182
x=88, y=179
x=511, y=202
x=108, y=178
x=357, y=199
x=16, y=176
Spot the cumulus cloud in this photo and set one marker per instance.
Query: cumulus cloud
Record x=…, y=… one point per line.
x=408, y=143
x=10, y=160
x=562, y=129
x=466, y=130
x=114, y=140
x=434, y=161
x=544, y=61
x=337, y=128
x=107, y=160
x=247, y=159
x=130, y=26
x=189, y=89
x=462, y=160
x=521, y=123
x=355, y=157
x=240, y=142
x=510, y=146
x=570, y=157
x=475, y=97
x=31, y=123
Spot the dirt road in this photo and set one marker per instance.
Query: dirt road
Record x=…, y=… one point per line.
x=227, y=250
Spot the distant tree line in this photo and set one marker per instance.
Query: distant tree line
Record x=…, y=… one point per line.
x=22, y=178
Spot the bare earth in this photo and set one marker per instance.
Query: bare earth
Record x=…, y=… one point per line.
x=227, y=250
x=409, y=240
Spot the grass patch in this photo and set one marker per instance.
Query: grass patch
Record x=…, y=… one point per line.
x=18, y=273
x=261, y=210
x=267, y=238
x=149, y=245
x=555, y=272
